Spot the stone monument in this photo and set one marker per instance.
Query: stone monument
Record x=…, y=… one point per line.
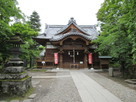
x=14, y=80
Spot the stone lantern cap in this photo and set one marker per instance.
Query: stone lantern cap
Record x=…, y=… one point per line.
x=16, y=62
x=16, y=39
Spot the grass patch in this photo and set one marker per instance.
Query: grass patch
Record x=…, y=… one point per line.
x=38, y=70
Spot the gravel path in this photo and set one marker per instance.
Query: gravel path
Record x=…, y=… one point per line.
x=63, y=89
x=56, y=90
x=124, y=93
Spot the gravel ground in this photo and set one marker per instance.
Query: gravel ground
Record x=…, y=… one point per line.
x=117, y=78
x=124, y=93
x=56, y=90
x=63, y=89
x=42, y=73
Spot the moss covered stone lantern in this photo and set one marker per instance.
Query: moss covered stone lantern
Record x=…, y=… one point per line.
x=14, y=80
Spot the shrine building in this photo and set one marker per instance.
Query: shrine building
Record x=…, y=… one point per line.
x=68, y=46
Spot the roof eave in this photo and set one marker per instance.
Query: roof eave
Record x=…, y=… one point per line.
x=87, y=38
x=41, y=41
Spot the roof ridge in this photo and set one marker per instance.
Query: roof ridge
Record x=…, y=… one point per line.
x=54, y=26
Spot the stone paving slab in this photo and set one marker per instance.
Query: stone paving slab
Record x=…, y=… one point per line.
x=126, y=94
x=91, y=91
x=40, y=77
x=32, y=96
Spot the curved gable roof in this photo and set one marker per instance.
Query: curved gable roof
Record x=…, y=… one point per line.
x=71, y=23
x=52, y=31
x=70, y=34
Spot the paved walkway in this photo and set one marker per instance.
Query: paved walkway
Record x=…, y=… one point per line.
x=42, y=77
x=91, y=91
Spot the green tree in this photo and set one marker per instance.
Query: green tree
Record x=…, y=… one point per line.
x=8, y=9
x=35, y=21
x=30, y=49
x=24, y=29
x=117, y=22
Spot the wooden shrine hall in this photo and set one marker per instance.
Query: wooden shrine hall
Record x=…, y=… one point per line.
x=68, y=46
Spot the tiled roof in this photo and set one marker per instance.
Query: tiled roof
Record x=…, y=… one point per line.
x=57, y=38
x=51, y=31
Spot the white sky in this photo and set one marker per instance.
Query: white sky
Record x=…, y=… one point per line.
x=60, y=11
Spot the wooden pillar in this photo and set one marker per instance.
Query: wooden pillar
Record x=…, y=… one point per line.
x=85, y=61
x=61, y=55
x=61, y=60
x=86, y=57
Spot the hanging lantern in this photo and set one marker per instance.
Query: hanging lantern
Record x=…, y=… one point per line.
x=55, y=58
x=90, y=60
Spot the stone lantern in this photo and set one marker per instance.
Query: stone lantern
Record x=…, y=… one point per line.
x=14, y=80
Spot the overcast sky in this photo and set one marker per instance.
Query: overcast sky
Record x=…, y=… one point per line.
x=60, y=11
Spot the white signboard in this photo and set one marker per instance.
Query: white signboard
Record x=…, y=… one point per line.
x=43, y=62
x=81, y=62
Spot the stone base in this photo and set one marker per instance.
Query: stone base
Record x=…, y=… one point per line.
x=13, y=76
x=14, y=69
x=16, y=87
x=131, y=81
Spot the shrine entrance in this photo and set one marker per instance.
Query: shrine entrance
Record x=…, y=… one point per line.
x=73, y=55
x=73, y=59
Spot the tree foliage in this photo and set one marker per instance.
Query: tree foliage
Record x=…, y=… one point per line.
x=118, y=23
x=35, y=21
x=8, y=9
x=24, y=29
x=30, y=48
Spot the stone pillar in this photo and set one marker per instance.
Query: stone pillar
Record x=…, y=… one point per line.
x=111, y=72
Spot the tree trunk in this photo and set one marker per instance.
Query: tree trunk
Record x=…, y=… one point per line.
x=30, y=61
x=123, y=68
